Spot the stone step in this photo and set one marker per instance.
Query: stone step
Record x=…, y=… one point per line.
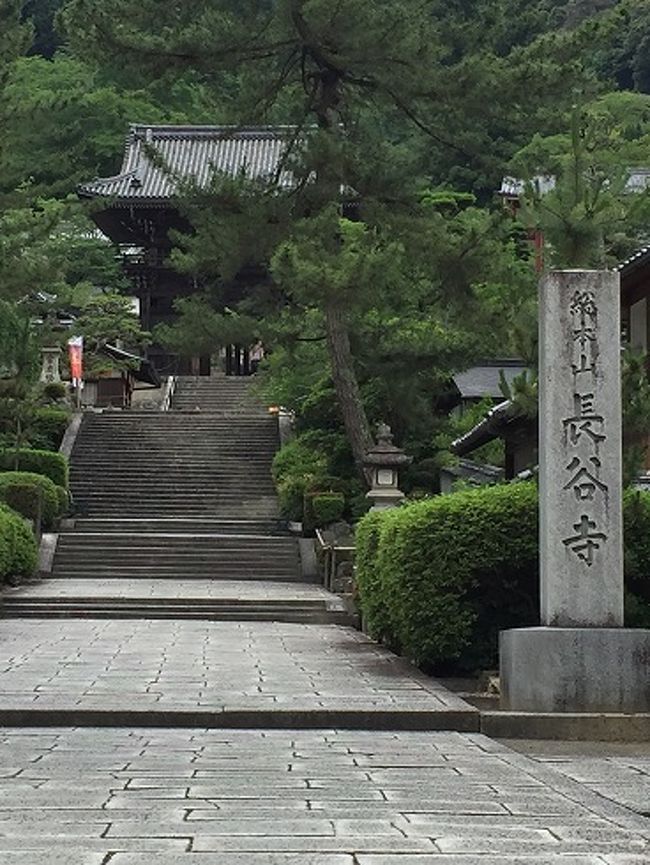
x=180, y=525
x=222, y=489
x=71, y=608
x=173, y=558
x=206, y=499
x=148, y=572
x=216, y=540
x=175, y=420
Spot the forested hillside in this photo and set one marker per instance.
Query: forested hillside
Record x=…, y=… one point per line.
x=421, y=109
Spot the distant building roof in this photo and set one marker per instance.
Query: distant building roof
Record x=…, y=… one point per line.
x=513, y=187
x=157, y=158
x=484, y=380
x=640, y=258
x=473, y=472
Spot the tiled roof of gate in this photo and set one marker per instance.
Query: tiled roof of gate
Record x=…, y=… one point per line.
x=157, y=158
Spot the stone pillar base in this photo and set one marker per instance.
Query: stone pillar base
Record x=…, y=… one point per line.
x=575, y=670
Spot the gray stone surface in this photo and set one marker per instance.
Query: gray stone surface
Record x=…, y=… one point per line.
x=71, y=434
x=553, y=668
x=619, y=772
x=46, y=552
x=252, y=797
x=575, y=670
x=581, y=537
x=98, y=588
x=158, y=666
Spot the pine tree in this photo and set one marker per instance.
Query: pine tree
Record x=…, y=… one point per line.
x=355, y=76
x=14, y=41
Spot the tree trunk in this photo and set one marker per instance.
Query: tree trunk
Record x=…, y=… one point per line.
x=347, y=386
x=326, y=98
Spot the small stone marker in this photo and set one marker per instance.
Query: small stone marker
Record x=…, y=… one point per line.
x=581, y=659
x=580, y=471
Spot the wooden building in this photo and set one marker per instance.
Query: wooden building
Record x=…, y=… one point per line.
x=138, y=207
x=635, y=299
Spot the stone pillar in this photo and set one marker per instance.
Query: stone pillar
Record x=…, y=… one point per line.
x=50, y=370
x=581, y=659
x=580, y=480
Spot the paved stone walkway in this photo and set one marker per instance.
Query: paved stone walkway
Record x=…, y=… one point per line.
x=177, y=797
x=216, y=667
x=618, y=771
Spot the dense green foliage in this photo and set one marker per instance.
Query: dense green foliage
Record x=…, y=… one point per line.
x=316, y=461
x=328, y=508
x=33, y=496
x=369, y=315
x=48, y=428
x=18, y=551
x=438, y=580
x=53, y=465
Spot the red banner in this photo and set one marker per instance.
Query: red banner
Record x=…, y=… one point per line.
x=75, y=352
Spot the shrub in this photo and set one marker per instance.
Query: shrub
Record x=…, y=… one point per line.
x=53, y=465
x=636, y=515
x=328, y=508
x=54, y=391
x=291, y=494
x=295, y=467
x=298, y=459
x=18, y=551
x=373, y=597
x=27, y=493
x=48, y=428
x=439, y=579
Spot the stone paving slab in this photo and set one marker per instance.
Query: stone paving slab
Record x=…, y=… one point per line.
x=618, y=772
x=247, y=797
x=182, y=590
x=235, y=673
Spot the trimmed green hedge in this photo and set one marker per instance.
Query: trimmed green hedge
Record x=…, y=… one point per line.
x=49, y=463
x=48, y=428
x=21, y=491
x=328, y=508
x=18, y=551
x=437, y=580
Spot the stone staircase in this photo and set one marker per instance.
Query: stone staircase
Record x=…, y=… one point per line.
x=175, y=464
x=217, y=393
x=177, y=556
x=185, y=495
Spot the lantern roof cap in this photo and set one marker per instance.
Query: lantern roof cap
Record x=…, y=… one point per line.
x=385, y=453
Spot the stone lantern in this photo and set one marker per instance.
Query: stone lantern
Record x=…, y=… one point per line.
x=50, y=371
x=383, y=462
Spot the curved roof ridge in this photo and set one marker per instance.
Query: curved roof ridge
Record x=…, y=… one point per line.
x=194, y=153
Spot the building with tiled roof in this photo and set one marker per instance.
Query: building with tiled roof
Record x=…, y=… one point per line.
x=158, y=159
x=512, y=188
x=137, y=207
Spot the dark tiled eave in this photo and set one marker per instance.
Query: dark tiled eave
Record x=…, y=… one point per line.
x=158, y=158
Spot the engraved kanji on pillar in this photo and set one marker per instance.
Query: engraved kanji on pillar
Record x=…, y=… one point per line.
x=580, y=450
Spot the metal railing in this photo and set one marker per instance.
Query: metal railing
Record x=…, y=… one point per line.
x=331, y=554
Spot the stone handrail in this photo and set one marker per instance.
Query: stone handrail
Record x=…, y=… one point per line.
x=168, y=393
